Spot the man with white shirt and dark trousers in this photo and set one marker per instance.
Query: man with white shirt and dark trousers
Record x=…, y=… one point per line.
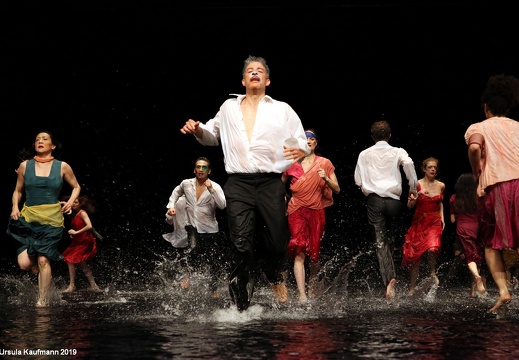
x=260, y=138
x=378, y=175
x=194, y=202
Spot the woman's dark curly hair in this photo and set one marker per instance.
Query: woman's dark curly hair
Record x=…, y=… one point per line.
x=466, y=200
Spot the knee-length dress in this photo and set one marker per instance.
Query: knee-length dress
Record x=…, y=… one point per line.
x=306, y=208
x=425, y=231
x=40, y=226
x=467, y=232
x=83, y=246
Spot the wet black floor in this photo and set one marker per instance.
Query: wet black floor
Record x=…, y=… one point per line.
x=167, y=322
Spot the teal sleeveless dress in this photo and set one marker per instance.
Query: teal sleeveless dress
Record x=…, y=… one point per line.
x=39, y=238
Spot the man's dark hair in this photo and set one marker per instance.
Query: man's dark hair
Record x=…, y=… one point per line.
x=380, y=130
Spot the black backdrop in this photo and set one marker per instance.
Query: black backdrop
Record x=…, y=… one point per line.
x=116, y=84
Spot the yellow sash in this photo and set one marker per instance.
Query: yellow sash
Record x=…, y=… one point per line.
x=46, y=214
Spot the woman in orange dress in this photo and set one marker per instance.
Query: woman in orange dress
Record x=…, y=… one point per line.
x=423, y=238
x=312, y=184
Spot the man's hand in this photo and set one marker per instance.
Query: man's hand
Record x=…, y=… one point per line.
x=294, y=154
x=191, y=127
x=209, y=185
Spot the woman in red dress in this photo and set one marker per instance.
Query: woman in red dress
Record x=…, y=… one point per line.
x=464, y=213
x=423, y=239
x=83, y=246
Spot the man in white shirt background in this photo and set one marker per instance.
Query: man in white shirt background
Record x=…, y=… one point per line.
x=377, y=174
x=192, y=209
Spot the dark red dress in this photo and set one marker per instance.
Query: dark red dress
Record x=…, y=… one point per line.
x=467, y=233
x=426, y=229
x=83, y=246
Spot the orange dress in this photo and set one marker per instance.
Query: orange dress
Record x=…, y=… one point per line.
x=83, y=246
x=426, y=229
x=306, y=214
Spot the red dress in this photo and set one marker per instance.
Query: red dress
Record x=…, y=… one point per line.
x=467, y=232
x=426, y=229
x=83, y=246
x=306, y=214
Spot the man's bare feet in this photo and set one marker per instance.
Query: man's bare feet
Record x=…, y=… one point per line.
x=70, y=289
x=281, y=292
x=501, y=302
x=390, y=290
x=94, y=289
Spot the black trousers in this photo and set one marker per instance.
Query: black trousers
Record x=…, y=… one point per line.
x=258, y=226
x=383, y=213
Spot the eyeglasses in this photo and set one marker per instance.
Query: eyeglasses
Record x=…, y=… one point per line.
x=202, y=167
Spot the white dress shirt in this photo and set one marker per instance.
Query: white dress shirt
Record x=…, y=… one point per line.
x=201, y=213
x=178, y=237
x=378, y=170
x=276, y=122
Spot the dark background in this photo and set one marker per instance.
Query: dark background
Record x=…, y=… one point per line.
x=116, y=83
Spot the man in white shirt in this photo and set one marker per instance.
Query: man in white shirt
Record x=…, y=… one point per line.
x=378, y=175
x=260, y=137
x=192, y=209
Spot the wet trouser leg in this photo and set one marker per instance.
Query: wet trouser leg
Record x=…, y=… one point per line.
x=241, y=218
x=384, y=249
x=254, y=199
x=275, y=233
x=382, y=215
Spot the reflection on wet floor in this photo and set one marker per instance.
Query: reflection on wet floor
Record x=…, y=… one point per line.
x=170, y=322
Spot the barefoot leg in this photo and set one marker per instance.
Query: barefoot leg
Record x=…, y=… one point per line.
x=496, y=265
x=90, y=276
x=431, y=263
x=299, y=274
x=473, y=286
x=44, y=280
x=499, y=303
x=390, y=290
x=72, y=278
x=281, y=292
x=314, y=286
x=480, y=285
x=415, y=270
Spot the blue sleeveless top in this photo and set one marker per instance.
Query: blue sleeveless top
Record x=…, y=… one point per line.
x=34, y=237
x=42, y=189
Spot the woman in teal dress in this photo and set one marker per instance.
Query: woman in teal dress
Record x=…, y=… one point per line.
x=38, y=227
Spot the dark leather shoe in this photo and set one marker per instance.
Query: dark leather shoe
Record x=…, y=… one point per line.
x=241, y=287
